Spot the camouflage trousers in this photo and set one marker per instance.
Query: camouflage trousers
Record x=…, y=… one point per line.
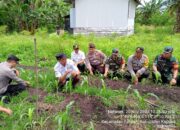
x=117, y=73
x=162, y=77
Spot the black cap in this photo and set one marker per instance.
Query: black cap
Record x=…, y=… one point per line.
x=13, y=58
x=115, y=50
x=140, y=49
x=168, y=49
x=60, y=56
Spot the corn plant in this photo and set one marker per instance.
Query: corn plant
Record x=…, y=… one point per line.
x=153, y=95
x=126, y=93
x=84, y=81
x=91, y=127
x=140, y=98
x=31, y=123
x=2, y=100
x=43, y=122
x=63, y=118
x=68, y=87
x=103, y=90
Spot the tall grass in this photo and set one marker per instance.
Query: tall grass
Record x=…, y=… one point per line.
x=152, y=38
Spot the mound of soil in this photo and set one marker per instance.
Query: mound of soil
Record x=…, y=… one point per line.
x=90, y=108
x=161, y=91
x=37, y=92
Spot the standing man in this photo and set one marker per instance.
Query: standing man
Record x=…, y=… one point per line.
x=137, y=66
x=165, y=67
x=115, y=65
x=79, y=58
x=64, y=70
x=95, y=60
x=8, y=73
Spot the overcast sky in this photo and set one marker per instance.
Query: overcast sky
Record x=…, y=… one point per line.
x=145, y=1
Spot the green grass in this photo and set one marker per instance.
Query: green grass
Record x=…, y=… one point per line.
x=153, y=39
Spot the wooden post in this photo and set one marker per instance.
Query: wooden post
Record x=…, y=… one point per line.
x=36, y=62
x=36, y=72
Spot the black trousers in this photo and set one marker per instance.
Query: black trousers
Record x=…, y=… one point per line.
x=81, y=67
x=75, y=80
x=98, y=69
x=14, y=90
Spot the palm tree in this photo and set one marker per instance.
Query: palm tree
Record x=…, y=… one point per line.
x=147, y=9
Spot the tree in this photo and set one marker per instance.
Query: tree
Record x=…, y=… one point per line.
x=174, y=7
x=31, y=14
x=146, y=10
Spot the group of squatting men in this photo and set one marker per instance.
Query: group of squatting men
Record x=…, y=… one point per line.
x=165, y=68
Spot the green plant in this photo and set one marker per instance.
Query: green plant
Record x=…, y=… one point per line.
x=91, y=127
x=63, y=118
x=31, y=123
x=68, y=87
x=141, y=99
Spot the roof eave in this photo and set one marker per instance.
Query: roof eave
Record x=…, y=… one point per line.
x=138, y=1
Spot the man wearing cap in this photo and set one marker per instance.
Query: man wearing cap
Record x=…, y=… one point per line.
x=115, y=64
x=64, y=70
x=8, y=73
x=137, y=66
x=95, y=60
x=78, y=57
x=165, y=67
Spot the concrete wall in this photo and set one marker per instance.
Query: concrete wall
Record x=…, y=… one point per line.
x=101, y=13
x=131, y=14
x=103, y=16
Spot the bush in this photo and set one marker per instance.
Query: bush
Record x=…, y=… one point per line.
x=161, y=19
x=3, y=29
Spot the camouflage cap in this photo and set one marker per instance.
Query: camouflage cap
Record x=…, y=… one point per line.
x=115, y=50
x=168, y=49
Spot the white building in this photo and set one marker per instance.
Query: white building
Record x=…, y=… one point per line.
x=103, y=17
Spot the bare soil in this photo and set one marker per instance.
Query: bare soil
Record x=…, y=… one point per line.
x=163, y=91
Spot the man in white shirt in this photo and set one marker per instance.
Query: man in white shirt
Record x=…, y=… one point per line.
x=66, y=69
x=78, y=57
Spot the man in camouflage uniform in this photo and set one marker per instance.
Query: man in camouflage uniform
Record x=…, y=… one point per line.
x=114, y=66
x=137, y=66
x=165, y=67
x=95, y=60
